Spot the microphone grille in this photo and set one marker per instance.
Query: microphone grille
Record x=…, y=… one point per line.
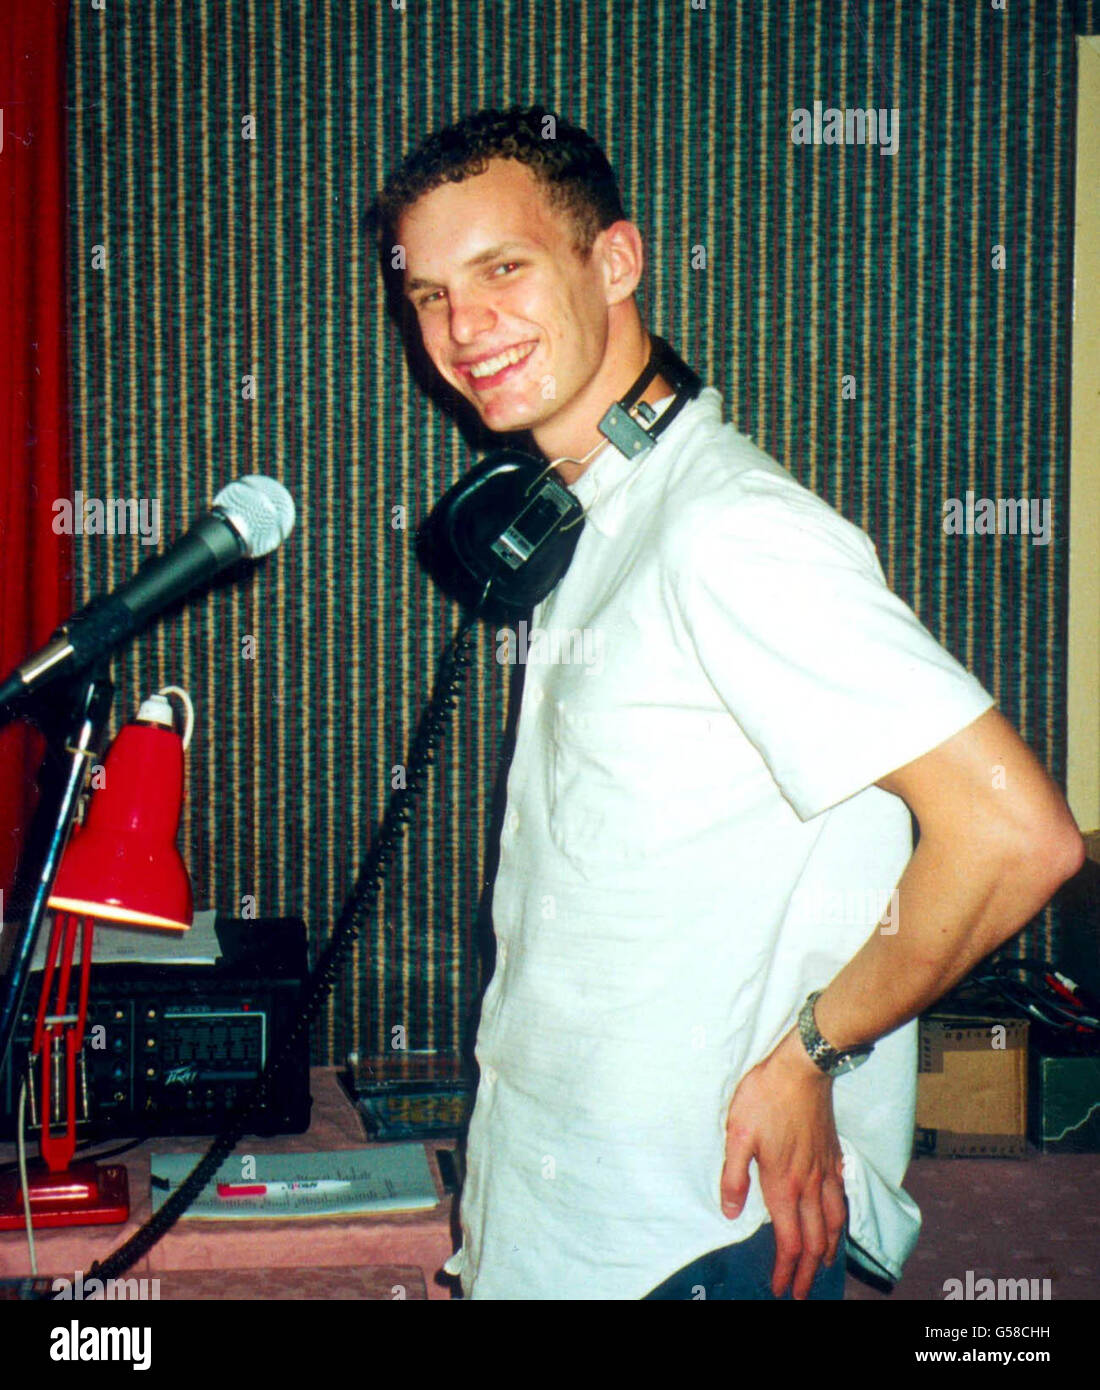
x=260, y=509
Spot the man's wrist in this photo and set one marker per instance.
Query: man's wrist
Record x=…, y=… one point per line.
x=791, y=1053
x=823, y=1052
x=842, y=1038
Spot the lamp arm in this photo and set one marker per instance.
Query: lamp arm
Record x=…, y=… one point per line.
x=78, y=735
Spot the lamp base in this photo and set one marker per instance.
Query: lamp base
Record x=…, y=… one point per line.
x=86, y=1194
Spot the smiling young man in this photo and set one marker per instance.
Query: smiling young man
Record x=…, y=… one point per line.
x=697, y=1078
x=536, y=336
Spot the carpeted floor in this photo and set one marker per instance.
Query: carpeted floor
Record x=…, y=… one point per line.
x=1003, y=1218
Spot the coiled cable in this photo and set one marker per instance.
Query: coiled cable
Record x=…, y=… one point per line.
x=360, y=902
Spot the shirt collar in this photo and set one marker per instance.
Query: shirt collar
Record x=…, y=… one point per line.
x=604, y=486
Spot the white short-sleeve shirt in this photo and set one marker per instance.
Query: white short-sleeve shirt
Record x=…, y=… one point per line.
x=692, y=842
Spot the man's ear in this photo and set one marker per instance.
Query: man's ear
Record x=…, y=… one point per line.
x=622, y=260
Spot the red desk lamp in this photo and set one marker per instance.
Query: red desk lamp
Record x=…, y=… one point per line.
x=122, y=867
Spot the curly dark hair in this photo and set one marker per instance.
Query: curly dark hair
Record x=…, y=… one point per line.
x=564, y=158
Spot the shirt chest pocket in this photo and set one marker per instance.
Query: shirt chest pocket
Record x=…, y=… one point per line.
x=631, y=785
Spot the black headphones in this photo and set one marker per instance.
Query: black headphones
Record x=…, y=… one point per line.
x=502, y=537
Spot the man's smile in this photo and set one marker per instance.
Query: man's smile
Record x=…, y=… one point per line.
x=484, y=372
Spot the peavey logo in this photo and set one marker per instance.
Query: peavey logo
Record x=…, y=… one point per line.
x=182, y=1076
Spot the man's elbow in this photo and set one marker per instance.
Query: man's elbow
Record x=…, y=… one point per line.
x=1057, y=853
x=1046, y=858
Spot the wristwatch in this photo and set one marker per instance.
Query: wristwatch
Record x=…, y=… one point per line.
x=831, y=1061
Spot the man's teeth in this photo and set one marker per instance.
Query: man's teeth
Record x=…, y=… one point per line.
x=497, y=364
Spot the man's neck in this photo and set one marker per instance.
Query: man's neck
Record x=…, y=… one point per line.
x=574, y=441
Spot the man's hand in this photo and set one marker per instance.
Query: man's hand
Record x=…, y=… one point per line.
x=782, y=1115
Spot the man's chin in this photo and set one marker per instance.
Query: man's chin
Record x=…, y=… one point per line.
x=511, y=436
x=505, y=417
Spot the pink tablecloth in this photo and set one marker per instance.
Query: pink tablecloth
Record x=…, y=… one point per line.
x=418, y=1239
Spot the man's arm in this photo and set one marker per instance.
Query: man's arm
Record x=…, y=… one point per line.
x=996, y=841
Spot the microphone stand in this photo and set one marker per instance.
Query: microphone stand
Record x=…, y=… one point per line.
x=79, y=731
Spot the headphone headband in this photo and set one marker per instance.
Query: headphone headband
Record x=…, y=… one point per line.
x=619, y=425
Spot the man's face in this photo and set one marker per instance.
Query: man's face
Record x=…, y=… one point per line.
x=509, y=314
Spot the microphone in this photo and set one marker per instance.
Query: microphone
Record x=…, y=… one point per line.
x=249, y=518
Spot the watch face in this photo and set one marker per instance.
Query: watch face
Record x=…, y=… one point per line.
x=848, y=1061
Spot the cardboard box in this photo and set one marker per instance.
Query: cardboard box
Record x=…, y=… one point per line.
x=1064, y=1079
x=972, y=1086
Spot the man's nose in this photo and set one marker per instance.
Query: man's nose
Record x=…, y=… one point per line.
x=471, y=316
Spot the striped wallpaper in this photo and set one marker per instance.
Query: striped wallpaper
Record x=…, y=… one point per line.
x=851, y=306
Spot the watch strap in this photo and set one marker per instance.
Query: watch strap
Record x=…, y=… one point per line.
x=827, y=1058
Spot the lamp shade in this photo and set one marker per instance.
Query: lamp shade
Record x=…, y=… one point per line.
x=123, y=865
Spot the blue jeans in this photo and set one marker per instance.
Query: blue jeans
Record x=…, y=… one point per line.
x=744, y=1271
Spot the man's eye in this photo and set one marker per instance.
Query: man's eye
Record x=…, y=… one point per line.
x=509, y=266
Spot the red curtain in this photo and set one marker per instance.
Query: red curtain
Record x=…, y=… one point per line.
x=35, y=564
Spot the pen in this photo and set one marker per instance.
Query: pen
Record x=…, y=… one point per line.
x=264, y=1189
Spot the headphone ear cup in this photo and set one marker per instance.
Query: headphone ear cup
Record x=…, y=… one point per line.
x=438, y=550
x=455, y=543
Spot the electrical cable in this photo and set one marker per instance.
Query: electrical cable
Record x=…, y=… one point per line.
x=430, y=730
x=1043, y=993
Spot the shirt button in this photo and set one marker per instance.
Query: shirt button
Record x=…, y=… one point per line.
x=513, y=821
x=490, y=1076
x=502, y=951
